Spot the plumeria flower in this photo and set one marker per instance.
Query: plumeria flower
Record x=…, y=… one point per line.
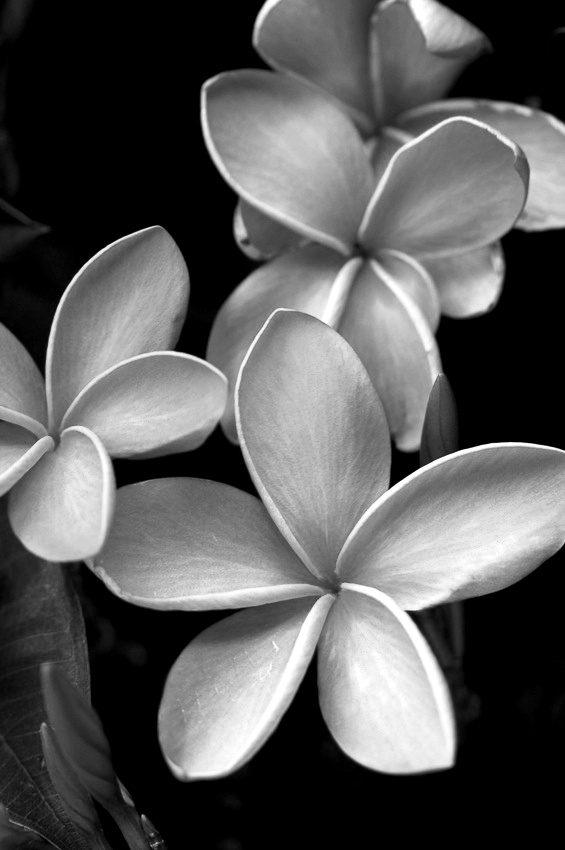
x=329, y=558
x=371, y=242
x=112, y=388
x=389, y=63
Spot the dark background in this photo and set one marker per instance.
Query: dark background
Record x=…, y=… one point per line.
x=102, y=108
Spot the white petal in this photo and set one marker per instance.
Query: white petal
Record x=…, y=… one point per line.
x=19, y=451
x=468, y=284
x=22, y=389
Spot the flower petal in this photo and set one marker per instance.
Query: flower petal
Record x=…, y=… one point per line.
x=62, y=509
x=468, y=284
x=189, y=544
x=151, y=405
x=415, y=281
x=129, y=299
x=313, y=434
x=230, y=687
x=421, y=49
x=19, y=451
x=394, y=341
x=260, y=237
x=311, y=280
x=382, y=692
x=440, y=434
x=290, y=152
x=468, y=524
x=323, y=42
x=22, y=389
x=417, y=204
x=540, y=135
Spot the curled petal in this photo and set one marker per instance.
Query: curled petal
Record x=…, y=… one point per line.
x=290, y=152
x=382, y=692
x=313, y=434
x=152, y=405
x=415, y=281
x=396, y=345
x=61, y=510
x=468, y=284
x=184, y=543
x=440, y=434
x=309, y=280
x=417, y=206
x=129, y=299
x=230, y=687
x=19, y=451
x=22, y=389
x=468, y=524
x=261, y=237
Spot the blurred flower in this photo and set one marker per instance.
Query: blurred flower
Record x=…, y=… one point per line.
x=375, y=246
x=112, y=389
x=329, y=558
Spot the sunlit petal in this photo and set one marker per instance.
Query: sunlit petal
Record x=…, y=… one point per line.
x=129, y=299
x=382, y=693
x=22, y=389
x=186, y=543
x=313, y=434
x=61, y=510
x=468, y=524
x=415, y=280
x=152, y=405
x=19, y=451
x=230, y=687
x=261, y=237
x=468, y=284
x=290, y=151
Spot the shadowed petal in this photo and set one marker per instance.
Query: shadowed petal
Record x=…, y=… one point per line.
x=540, y=135
x=313, y=434
x=62, y=509
x=190, y=544
x=440, y=434
x=152, y=405
x=397, y=347
x=382, y=692
x=468, y=524
x=19, y=451
x=290, y=152
x=417, y=206
x=230, y=687
x=313, y=280
x=324, y=42
x=415, y=281
x=22, y=389
x=468, y=284
x=260, y=237
x=129, y=299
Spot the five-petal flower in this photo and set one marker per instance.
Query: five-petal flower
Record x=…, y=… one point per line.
x=329, y=558
x=112, y=389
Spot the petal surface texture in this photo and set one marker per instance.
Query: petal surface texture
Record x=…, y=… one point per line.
x=468, y=284
x=22, y=389
x=465, y=525
x=259, y=236
x=382, y=693
x=62, y=508
x=186, y=543
x=230, y=687
x=392, y=337
x=19, y=451
x=129, y=299
x=313, y=434
x=290, y=151
x=417, y=206
x=152, y=405
x=540, y=135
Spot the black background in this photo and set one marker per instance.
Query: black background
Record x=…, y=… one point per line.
x=103, y=111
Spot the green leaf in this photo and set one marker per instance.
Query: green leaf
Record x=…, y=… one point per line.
x=440, y=435
x=40, y=621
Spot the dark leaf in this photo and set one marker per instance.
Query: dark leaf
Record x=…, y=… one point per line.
x=440, y=435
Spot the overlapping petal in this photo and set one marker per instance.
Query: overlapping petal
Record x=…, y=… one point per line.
x=540, y=135
x=396, y=345
x=260, y=237
x=151, y=405
x=418, y=205
x=129, y=299
x=313, y=434
x=230, y=687
x=468, y=284
x=19, y=451
x=62, y=508
x=190, y=544
x=382, y=693
x=468, y=524
x=22, y=389
x=290, y=152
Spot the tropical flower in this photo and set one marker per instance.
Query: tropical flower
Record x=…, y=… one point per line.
x=111, y=389
x=389, y=63
x=329, y=558
x=374, y=245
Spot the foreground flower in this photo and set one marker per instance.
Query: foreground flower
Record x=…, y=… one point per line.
x=388, y=63
x=328, y=559
x=112, y=389
x=377, y=249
